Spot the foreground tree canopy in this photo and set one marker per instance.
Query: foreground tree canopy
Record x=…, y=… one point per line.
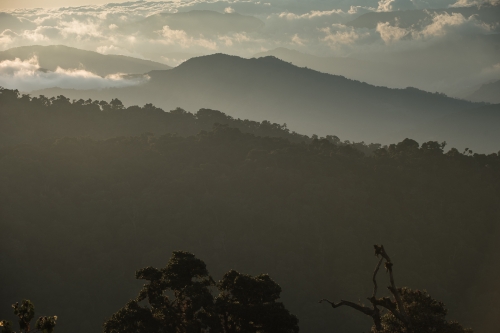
x=83, y=211
x=245, y=303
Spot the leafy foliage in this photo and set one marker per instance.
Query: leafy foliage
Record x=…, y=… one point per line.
x=246, y=304
x=25, y=313
x=425, y=313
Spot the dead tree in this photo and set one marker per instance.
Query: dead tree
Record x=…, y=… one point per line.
x=395, y=306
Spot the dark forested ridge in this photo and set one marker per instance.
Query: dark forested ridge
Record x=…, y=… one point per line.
x=25, y=119
x=269, y=88
x=79, y=215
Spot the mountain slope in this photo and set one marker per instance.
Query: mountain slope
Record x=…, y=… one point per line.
x=489, y=92
x=450, y=66
x=51, y=57
x=268, y=88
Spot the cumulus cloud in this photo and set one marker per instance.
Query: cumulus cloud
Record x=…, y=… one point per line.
x=394, y=5
x=181, y=38
x=391, y=34
x=442, y=26
x=469, y=3
x=339, y=34
x=445, y=24
x=28, y=76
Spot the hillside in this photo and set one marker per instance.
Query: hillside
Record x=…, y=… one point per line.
x=489, y=92
x=268, y=88
x=372, y=72
x=84, y=214
x=51, y=57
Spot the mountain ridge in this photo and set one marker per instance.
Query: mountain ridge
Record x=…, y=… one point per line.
x=53, y=56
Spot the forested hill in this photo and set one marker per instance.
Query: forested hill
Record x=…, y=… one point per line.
x=25, y=119
x=53, y=56
x=79, y=216
x=268, y=88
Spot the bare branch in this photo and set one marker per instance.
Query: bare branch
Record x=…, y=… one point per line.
x=374, y=278
x=395, y=307
x=374, y=313
x=379, y=250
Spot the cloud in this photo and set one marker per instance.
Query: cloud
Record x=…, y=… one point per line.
x=181, y=38
x=391, y=34
x=442, y=26
x=297, y=40
x=311, y=15
x=112, y=49
x=394, y=5
x=28, y=76
x=469, y=3
x=446, y=24
x=339, y=34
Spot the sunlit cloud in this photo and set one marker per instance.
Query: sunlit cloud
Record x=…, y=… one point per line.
x=26, y=75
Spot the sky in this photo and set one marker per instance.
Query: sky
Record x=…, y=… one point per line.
x=11, y=4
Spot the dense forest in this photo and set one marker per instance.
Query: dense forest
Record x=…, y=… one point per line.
x=91, y=191
x=26, y=119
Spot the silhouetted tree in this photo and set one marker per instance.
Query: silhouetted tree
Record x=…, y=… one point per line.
x=245, y=304
x=25, y=313
x=409, y=311
x=249, y=304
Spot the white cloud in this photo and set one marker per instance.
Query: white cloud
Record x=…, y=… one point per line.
x=391, y=34
x=311, y=15
x=469, y=3
x=297, y=40
x=181, y=38
x=446, y=24
x=27, y=76
x=342, y=36
x=393, y=5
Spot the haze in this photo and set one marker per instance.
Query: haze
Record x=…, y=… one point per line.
x=244, y=159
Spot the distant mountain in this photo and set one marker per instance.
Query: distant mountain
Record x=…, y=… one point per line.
x=268, y=88
x=476, y=129
x=448, y=66
x=489, y=92
x=8, y=21
x=51, y=57
x=376, y=73
x=196, y=22
x=412, y=18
